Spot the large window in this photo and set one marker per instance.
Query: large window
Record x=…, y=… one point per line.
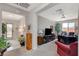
x=9, y=30
x=71, y=27
x=65, y=27
x=68, y=27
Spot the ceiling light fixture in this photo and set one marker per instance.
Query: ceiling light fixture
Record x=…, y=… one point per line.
x=61, y=12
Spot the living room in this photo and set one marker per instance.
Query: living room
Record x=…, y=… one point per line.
x=46, y=30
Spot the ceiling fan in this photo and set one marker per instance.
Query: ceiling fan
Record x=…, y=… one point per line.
x=61, y=12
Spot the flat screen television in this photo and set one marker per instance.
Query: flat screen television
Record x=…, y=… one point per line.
x=48, y=31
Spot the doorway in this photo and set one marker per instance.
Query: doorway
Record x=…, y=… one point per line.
x=14, y=22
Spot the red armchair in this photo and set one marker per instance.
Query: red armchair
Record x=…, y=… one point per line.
x=67, y=50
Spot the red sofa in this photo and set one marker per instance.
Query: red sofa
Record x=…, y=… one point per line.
x=67, y=50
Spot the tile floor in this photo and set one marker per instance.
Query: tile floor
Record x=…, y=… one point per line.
x=14, y=44
x=48, y=49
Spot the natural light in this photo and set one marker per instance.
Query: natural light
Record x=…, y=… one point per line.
x=68, y=27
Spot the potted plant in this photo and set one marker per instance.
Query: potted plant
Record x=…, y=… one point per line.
x=3, y=45
x=4, y=29
x=58, y=28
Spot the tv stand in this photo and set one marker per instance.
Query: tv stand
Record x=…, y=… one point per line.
x=49, y=38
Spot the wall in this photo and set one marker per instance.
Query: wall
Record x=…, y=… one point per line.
x=0, y=23
x=44, y=23
x=33, y=22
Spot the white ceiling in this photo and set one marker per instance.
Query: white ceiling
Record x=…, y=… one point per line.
x=48, y=10
x=70, y=12
x=16, y=12
x=34, y=7
x=11, y=16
